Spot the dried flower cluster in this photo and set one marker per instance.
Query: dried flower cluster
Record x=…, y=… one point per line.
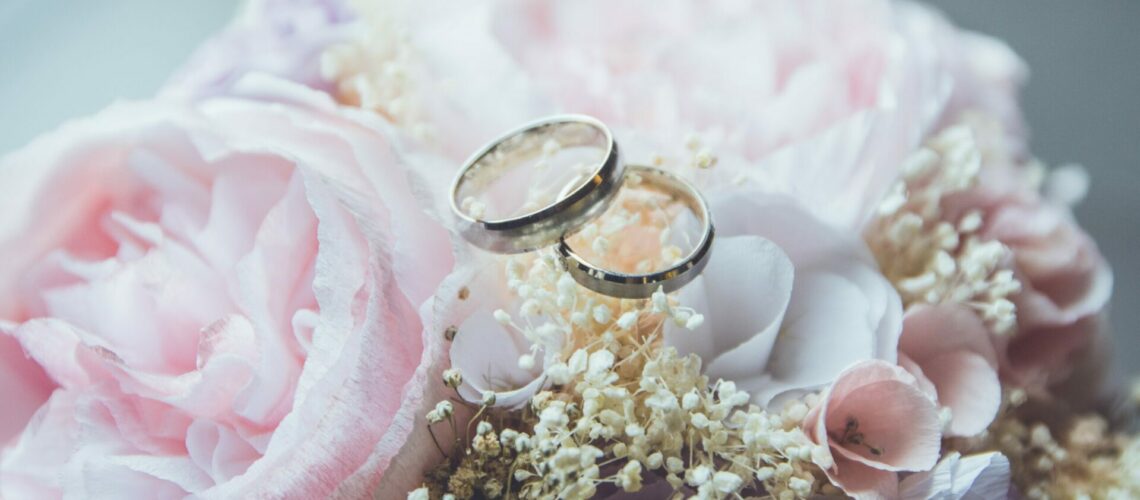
x=375, y=69
x=606, y=430
x=620, y=411
x=1064, y=455
x=1054, y=452
x=931, y=259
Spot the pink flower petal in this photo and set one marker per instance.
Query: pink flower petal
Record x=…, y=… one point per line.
x=878, y=396
x=969, y=386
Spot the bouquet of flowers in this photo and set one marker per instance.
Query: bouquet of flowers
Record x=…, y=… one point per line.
x=256, y=284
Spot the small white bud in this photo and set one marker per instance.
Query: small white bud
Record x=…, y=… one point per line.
x=601, y=245
x=526, y=362
x=695, y=321
x=444, y=409
x=483, y=428
x=690, y=400
x=452, y=378
x=602, y=314
x=502, y=317
x=627, y=320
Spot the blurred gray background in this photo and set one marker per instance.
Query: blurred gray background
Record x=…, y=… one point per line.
x=67, y=58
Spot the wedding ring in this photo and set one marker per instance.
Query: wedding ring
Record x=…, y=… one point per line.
x=640, y=286
x=542, y=222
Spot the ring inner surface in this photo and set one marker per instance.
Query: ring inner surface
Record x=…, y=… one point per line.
x=531, y=171
x=655, y=224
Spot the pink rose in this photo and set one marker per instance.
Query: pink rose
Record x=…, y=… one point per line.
x=1065, y=282
x=874, y=422
x=950, y=350
x=218, y=300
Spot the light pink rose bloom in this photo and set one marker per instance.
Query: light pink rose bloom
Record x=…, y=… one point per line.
x=788, y=300
x=1065, y=282
x=957, y=477
x=950, y=350
x=875, y=422
x=218, y=300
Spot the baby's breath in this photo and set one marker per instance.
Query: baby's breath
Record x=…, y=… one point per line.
x=929, y=257
x=620, y=408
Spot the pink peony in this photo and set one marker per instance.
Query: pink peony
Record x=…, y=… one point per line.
x=1065, y=282
x=949, y=349
x=218, y=300
x=874, y=421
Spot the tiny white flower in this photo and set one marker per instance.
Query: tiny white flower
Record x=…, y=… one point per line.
x=699, y=420
x=765, y=473
x=578, y=361
x=602, y=314
x=695, y=321
x=654, y=460
x=483, y=428
x=529, y=307
x=727, y=482
x=690, y=400
x=601, y=245
x=599, y=363
x=580, y=318
x=629, y=479
x=452, y=378
x=526, y=362
x=559, y=373
x=662, y=400
x=627, y=320
x=488, y=398
x=502, y=317
x=801, y=486
x=699, y=475
x=444, y=409
x=420, y=493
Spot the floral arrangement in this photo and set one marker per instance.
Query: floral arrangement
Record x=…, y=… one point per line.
x=247, y=287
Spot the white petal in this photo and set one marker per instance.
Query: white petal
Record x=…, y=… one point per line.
x=983, y=475
x=747, y=286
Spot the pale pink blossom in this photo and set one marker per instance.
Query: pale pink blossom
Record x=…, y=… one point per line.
x=950, y=350
x=1065, y=282
x=874, y=422
x=224, y=298
x=788, y=300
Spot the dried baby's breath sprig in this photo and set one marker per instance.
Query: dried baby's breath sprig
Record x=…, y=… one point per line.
x=375, y=70
x=621, y=409
x=1056, y=452
x=930, y=258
